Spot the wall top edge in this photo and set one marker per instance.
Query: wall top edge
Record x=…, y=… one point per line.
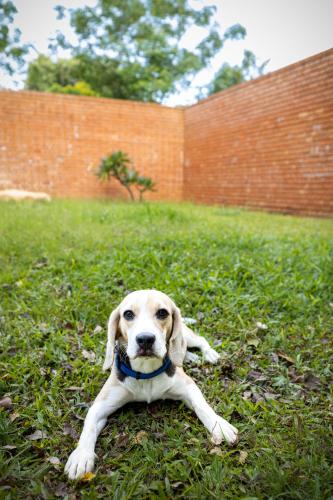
x=272, y=74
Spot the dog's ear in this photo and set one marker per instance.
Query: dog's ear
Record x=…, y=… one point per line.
x=113, y=334
x=177, y=344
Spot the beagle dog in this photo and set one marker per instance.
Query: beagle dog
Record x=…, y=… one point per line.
x=147, y=344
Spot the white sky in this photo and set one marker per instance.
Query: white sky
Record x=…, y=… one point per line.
x=283, y=31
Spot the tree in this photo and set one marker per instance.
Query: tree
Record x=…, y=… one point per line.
x=231, y=75
x=132, y=49
x=43, y=73
x=118, y=165
x=11, y=51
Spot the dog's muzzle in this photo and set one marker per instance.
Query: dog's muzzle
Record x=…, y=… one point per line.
x=145, y=343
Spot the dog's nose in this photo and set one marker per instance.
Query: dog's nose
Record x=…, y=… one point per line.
x=145, y=340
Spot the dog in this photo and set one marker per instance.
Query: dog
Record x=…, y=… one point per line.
x=146, y=347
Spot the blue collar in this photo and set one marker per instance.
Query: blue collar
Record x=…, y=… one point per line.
x=126, y=370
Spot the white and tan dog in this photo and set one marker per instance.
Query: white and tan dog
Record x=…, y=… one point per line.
x=152, y=341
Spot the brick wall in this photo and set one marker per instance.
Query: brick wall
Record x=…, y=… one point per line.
x=266, y=143
x=53, y=143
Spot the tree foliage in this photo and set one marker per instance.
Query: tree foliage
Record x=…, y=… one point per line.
x=11, y=51
x=231, y=75
x=132, y=49
x=118, y=165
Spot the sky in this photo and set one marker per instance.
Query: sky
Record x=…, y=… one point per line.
x=281, y=31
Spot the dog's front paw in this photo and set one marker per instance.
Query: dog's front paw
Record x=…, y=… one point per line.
x=211, y=355
x=191, y=357
x=79, y=462
x=223, y=430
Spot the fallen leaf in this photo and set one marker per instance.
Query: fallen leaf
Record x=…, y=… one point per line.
x=69, y=431
x=256, y=397
x=247, y=394
x=9, y=447
x=37, y=435
x=42, y=262
x=90, y=355
x=61, y=490
x=176, y=484
x=255, y=342
x=74, y=388
x=53, y=460
x=257, y=376
x=122, y=440
x=311, y=381
x=87, y=477
x=189, y=321
x=261, y=326
x=6, y=402
x=13, y=416
x=140, y=437
x=98, y=329
x=271, y=395
x=285, y=357
x=216, y=451
x=242, y=457
x=68, y=325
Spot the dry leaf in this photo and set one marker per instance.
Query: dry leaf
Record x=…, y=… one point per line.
x=140, y=437
x=90, y=355
x=311, y=381
x=176, y=484
x=9, y=447
x=74, y=388
x=255, y=342
x=261, y=326
x=98, y=329
x=13, y=416
x=61, y=490
x=216, y=451
x=87, y=477
x=285, y=357
x=242, y=457
x=247, y=394
x=257, y=376
x=6, y=402
x=189, y=321
x=69, y=431
x=53, y=460
x=37, y=435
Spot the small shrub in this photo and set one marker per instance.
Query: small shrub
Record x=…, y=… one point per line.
x=118, y=165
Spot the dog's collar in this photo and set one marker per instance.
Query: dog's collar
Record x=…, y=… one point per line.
x=126, y=370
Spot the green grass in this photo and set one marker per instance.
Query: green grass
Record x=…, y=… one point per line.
x=65, y=265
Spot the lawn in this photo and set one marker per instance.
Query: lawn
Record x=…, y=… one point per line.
x=260, y=288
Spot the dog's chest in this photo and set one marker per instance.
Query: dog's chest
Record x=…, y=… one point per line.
x=149, y=390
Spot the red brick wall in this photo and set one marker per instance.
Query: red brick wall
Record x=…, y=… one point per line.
x=266, y=143
x=53, y=143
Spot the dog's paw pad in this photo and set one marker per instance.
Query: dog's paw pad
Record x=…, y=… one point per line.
x=79, y=463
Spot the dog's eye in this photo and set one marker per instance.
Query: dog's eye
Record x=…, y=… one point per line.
x=129, y=315
x=162, y=314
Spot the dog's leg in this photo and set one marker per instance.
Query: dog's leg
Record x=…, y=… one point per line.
x=185, y=389
x=108, y=401
x=194, y=340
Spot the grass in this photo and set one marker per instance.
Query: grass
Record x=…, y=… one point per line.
x=66, y=265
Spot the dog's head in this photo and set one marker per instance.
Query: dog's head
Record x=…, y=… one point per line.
x=148, y=324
